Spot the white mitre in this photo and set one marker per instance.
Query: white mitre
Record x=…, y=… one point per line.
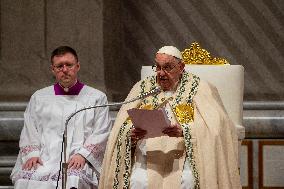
x=170, y=50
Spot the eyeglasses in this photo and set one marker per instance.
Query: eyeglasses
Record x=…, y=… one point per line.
x=167, y=68
x=60, y=67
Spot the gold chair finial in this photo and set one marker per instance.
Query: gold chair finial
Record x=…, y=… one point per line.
x=196, y=55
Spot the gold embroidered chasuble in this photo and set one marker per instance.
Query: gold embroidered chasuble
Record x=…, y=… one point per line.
x=209, y=142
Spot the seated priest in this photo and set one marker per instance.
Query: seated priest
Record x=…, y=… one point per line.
x=197, y=150
x=39, y=159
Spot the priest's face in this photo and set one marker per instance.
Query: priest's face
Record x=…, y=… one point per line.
x=169, y=70
x=65, y=68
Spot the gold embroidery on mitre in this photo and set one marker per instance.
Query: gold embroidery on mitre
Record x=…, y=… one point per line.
x=196, y=55
x=184, y=113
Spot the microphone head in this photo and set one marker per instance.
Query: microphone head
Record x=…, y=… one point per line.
x=157, y=90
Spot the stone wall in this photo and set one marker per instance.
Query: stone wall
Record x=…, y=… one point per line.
x=31, y=29
x=114, y=38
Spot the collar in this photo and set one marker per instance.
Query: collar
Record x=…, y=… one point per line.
x=74, y=90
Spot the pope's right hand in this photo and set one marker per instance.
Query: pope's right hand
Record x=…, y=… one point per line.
x=33, y=162
x=137, y=134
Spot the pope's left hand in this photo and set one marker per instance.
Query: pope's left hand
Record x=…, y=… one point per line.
x=77, y=161
x=174, y=130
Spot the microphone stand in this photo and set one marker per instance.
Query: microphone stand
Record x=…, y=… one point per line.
x=64, y=143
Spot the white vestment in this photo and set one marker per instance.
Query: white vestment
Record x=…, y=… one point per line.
x=139, y=178
x=208, y=146
x=44, y=123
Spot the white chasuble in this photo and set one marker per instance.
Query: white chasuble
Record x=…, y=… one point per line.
x=204, y=158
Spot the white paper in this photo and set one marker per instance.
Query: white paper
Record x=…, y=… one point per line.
x=153, y=121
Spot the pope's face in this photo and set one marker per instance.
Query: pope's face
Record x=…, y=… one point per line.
x=65, y=68
x=169, y=71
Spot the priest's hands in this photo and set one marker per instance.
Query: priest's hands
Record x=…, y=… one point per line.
x=174, y=130
x=76, y=161
x=137, y=134
x=32, y=163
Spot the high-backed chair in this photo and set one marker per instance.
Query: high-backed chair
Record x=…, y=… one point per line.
x=228, y=79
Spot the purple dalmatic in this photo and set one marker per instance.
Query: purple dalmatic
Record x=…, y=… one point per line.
x=74, y=90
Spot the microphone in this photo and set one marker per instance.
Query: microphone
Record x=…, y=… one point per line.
x=142, y=96
x=156, y=90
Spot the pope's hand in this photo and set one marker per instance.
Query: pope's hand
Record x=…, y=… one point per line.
x=33, y=162
x=174, y=130
x=137, y=134
x=77, y=161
